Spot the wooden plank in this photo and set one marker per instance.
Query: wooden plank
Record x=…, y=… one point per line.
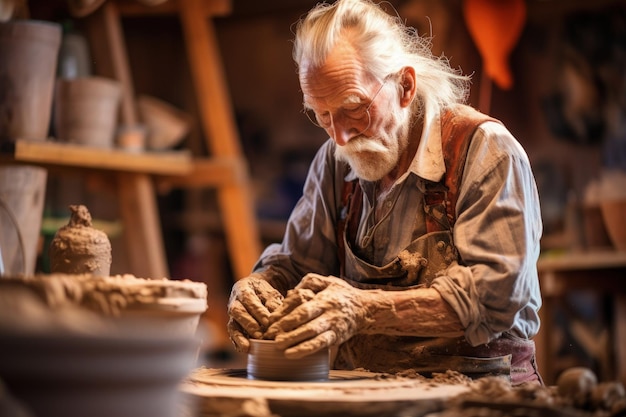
x=236, y=203
x=142, y=230
x=206, y=172
x=55, y=153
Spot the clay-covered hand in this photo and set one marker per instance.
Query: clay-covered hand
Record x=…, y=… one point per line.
x=320, y=312
x=251, y=302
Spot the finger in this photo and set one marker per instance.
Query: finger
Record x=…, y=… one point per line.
x=247, y=322
x=302, y=314
x=271, y=299
x=294, y=299
x=314, y=282
x=273, y=303
x=321, y=341
x=299, y=335
x=237, y=336
x=254, y=306
x=272, y=332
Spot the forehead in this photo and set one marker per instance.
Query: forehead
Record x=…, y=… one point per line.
x=341, y=76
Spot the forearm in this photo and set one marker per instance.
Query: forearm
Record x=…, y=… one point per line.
x=418, y=312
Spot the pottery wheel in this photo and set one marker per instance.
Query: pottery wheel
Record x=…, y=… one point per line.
x=223, y=392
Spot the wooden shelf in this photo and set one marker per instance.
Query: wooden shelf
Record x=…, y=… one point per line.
x=575, y=261
x=134, y=176
x=49, y=153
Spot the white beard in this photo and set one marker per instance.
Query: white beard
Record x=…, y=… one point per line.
x=373, y=157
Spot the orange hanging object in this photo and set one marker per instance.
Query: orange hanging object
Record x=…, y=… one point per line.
x=495, y=26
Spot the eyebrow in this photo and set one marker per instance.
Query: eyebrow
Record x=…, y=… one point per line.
x=353, y=99
x=350, y=99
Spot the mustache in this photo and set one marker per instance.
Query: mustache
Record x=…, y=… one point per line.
x=361, y=144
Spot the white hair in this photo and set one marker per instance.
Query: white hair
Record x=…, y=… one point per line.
x=385, y=45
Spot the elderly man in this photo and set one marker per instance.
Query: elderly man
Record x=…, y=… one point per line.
x=414, y=245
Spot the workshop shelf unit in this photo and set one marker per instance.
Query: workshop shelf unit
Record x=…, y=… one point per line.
x=137, y=176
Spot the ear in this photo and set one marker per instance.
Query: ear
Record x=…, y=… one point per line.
x=407, y=86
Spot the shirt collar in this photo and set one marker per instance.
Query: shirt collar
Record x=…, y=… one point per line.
x=428, y=162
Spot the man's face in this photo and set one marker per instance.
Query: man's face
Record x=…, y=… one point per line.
x=362, y=114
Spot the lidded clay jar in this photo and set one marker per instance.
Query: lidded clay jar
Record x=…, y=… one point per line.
x=78, y=248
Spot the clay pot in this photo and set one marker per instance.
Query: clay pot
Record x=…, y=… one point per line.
x=614, y=214
x=86, y=110
x=28, y=60
x=22, y=200
x=266, y=361
x=61, y=375
x=596, y=235
x=166, y=124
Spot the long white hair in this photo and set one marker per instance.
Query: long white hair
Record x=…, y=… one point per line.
x=386, y=45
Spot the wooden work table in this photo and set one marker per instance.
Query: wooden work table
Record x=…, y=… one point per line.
x=599, y=271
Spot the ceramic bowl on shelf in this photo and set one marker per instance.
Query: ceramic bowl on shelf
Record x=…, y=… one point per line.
x=166, y=124
x=614, y=214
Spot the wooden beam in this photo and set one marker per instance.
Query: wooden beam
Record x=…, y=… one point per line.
x=121, y=68
x=142, y=232
x=235, y=201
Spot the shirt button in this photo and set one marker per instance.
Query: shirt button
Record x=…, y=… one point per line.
x=441, y=245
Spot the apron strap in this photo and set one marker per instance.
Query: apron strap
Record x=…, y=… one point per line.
x=458, y=126
x=349, y=216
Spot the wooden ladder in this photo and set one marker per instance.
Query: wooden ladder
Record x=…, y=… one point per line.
x=225, y=170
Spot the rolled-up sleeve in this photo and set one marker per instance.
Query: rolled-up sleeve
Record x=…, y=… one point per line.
x=494, y=288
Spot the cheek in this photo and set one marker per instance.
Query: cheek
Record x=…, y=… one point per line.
x=386, y=121
x=382, y=121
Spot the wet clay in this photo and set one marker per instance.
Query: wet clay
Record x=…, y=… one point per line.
x=87, y=304
x=78, y=248
x=577, y=393
x=109, y=296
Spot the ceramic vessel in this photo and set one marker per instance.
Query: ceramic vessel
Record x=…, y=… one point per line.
x=69, y=375
x=266, y=361
x=614, y=214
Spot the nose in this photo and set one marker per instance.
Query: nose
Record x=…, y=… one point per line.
x=342, y=133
